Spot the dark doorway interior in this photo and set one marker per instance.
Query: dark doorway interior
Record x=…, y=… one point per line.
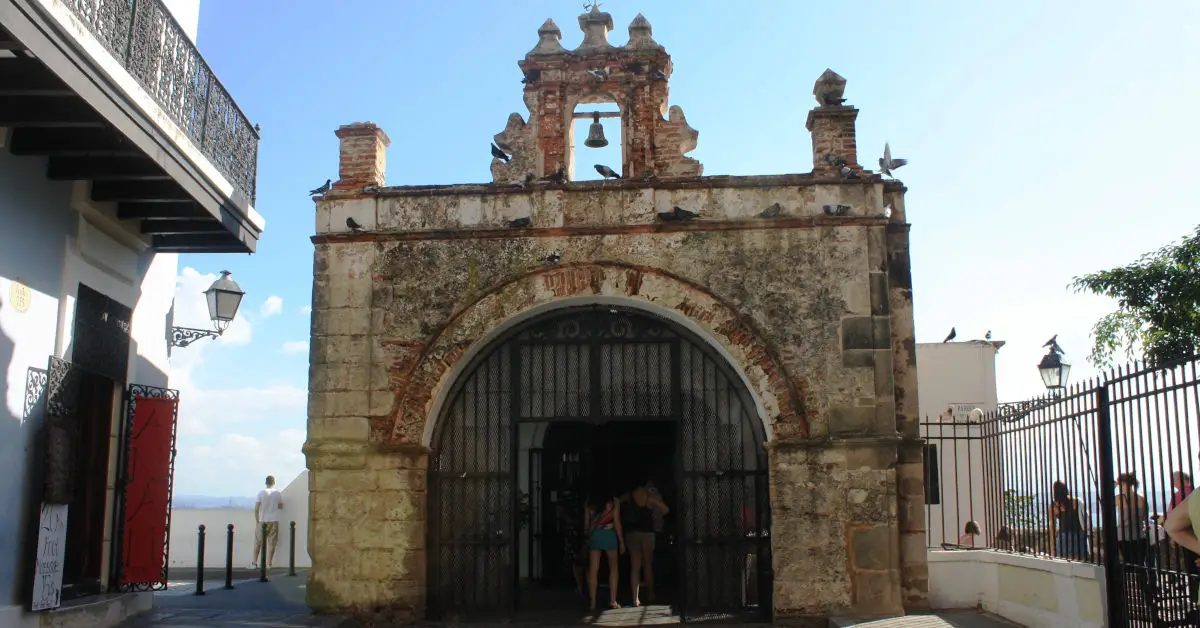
x=608, y=459
x=83, y=563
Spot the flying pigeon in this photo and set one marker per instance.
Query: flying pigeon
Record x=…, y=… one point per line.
x=553, y=258
x=323, y=189
x=953, y=334
x=677, y=214
x=520, y=223
x=598, y=74
x=772, y=211
x=988, y=335
x=657, y=74
x=606, y=172
x=353, y=224
x=558, y=176
x=887, y=164
x=499, y=154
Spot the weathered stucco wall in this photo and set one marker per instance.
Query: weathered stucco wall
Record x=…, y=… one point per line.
x=799, y=302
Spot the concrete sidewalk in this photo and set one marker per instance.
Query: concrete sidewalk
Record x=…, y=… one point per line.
x=278, y=603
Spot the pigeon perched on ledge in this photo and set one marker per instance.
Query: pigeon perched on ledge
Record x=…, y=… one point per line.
x=323, y=189
x=520, y=223
x=606, y=172
x=499, y=154
x=677, y=214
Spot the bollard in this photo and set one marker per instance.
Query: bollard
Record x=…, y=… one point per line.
x=200, y=563
x=262, y=557
x=292, y=549
x=229, y=556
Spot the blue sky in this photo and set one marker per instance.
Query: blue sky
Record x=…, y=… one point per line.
x=1046, y=140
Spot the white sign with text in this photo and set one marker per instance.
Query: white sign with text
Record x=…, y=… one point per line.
x=51, y=553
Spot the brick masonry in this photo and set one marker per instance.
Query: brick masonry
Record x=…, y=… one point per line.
x=814, y=310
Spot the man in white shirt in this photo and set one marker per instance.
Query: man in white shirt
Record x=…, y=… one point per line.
x=266, y=511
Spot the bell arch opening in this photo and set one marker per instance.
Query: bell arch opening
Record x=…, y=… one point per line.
x=595, y=135
x=588, y=401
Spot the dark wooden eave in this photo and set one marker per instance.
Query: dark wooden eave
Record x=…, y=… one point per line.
x=58, y=105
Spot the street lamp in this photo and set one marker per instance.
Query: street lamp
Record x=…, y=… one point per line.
x=1053, y=370
x=1054, y=374
x=223, y=297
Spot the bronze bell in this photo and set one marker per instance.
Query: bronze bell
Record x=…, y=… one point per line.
x=596, y=137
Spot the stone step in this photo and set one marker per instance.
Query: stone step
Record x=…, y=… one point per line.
x=947, y=619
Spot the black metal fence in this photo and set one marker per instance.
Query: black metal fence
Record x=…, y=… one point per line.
x=1040, y=478
x=145, y=38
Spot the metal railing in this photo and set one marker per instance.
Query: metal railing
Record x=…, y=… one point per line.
x=146, y=39
x=1001, y=470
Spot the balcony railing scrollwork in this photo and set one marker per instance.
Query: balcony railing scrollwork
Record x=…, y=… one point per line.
x=145, y=38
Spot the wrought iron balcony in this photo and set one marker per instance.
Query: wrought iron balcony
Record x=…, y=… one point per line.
x=145, y=38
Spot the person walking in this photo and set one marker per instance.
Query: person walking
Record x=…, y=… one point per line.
x=267, y=510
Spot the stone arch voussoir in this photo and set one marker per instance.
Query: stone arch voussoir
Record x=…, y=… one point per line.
x=428, y=370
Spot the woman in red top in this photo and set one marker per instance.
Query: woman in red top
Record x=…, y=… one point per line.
x=602, y=520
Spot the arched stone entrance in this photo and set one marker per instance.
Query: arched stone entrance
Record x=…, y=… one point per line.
x=563, y=383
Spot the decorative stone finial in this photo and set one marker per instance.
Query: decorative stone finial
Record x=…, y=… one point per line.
x=829, y=89
x=548, y=38
x=595, y=25
x=641, y=35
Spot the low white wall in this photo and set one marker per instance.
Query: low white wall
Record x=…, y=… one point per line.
x=185, y=523
x=1034, y=592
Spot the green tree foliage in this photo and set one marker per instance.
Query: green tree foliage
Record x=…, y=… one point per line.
x=1021, y=511
x=1158, y=305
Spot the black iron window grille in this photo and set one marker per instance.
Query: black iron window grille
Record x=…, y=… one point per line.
x=145, y=38
x=100, y=341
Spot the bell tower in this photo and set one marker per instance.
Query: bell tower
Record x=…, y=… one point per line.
x=654, y=138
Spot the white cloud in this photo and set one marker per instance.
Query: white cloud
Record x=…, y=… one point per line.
x=272, y=306
x=230, y=437
x=212, y=411
x=237, y=462
x=295, y=346
x=306, y=310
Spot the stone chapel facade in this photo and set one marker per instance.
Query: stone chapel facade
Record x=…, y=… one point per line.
x=459, y=329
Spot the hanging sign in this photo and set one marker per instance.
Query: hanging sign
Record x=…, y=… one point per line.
x=51, y=553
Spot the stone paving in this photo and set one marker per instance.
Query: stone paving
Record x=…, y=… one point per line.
x=279, y=603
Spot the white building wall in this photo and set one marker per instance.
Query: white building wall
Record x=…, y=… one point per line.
x=187, y=13
x=186, y=522
x=954, y=379
x=51, y=240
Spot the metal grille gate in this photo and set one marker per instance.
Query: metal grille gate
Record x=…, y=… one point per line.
x=597, y=365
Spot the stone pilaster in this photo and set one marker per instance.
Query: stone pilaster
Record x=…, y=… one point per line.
x=910, y=468
x=833, y=523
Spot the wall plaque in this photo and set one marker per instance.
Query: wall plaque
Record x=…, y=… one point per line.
x=19, y=296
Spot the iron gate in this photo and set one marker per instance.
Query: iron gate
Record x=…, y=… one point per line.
x=595, y=365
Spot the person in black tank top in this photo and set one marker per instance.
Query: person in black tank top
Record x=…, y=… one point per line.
x=639, y=526
x=1069, y=538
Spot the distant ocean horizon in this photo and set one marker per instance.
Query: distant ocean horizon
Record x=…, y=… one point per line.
x=208, y=501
